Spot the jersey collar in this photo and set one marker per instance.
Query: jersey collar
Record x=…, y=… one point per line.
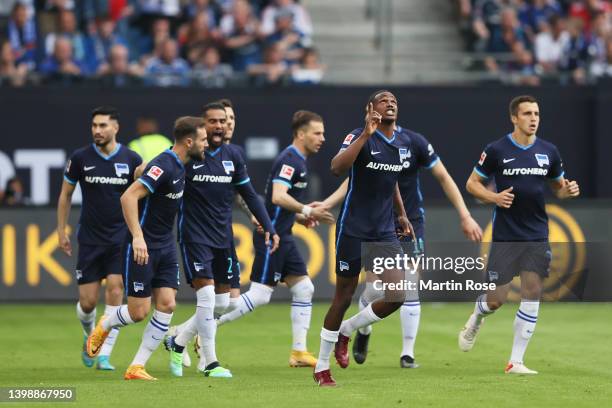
x=102, y=155
x=384, y=138
x=295, y=149
x=214, y=152
x=171, y=153
x=518, y=145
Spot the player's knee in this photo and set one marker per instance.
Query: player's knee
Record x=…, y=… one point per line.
x=343, y=301
x=88, y=303
x=139, y=313
x=303, y=290
x=166, y=306
x=114, y=295
x=259, y=294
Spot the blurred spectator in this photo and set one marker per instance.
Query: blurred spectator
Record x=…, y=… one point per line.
x=550, y=43
x=486, y=19
x=11, y=73
x=61, y=66
x=289, y=40
x=240, y=31
x=208, y=7
x=167, y=69
x=13, y=193
x=195, y=36
x=532, y=13
x=118, y=72
x=509, y=31
x=603, y=68
x=273, y=70
x=585, y=10
x=301, y=19
x=22, y=34
x=521, y=69
x=575, y=53
x=600, y=31
x=149, y=142
x=209, y=72
x=149, y=44
x=309, y=71
x=68, y=29
x=102, y=41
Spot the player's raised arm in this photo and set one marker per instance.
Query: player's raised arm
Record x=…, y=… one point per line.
x=470, y=227
x=129, y=206
x=343, y=161
x=63, y=211
x=281, y=197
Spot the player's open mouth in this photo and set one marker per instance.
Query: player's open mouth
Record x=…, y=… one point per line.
x=390, y=112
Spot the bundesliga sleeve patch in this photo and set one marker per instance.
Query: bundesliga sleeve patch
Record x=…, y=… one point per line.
x=483, y=157
x=348, y=139
x=430, y=150
x=287, y=172
x=155, y=172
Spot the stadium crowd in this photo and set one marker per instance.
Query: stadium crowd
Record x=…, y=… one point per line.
x=208, y=43
x=533, y=41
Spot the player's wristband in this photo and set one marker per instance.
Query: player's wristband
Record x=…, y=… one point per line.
x=306, y=211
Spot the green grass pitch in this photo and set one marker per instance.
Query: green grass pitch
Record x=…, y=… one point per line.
x=572, y=349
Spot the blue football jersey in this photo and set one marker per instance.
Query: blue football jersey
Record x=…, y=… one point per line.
x=289, y=169
x=102, y=179
x=421, y=154
x=206, y=210
x=164, y=177
x=526, y=169
x=367, y=210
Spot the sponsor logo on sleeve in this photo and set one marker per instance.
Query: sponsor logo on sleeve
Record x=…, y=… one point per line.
x=287, y=172
x=483, y=157
x=122, y=168
x=155, y=172
x=348, y=139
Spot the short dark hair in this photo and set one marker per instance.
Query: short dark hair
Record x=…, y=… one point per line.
x=106, y=110
x=186, y=126
x=375, y=94
x=212, y=106
x=515, y=103
x=226, y=103
x=302, y=118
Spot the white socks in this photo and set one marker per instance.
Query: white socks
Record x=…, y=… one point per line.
x=120, y=318
x=524, y=326
x=301, y=311
x=328, y=341
x=88, y=320
x=361, y=319
x=152, y=336
x=222, y=302
x=205, y=322
x=186, y=331
x=233, y=304
x=109, y=343
x=369, y=295
x=410, y=315
x=481, y=309
x=257, y=295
